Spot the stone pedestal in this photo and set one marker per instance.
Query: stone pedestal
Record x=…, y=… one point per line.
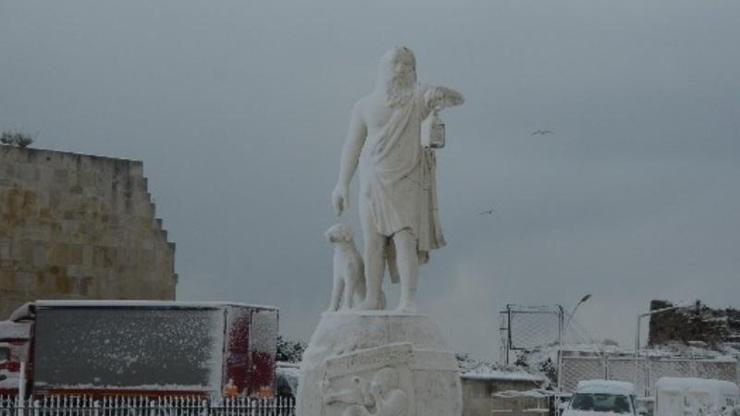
x=378, y=363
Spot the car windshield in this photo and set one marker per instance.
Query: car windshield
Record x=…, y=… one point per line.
x=600, y=402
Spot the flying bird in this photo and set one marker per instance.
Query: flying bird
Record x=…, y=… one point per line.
x=541, y=132
x=487, y=212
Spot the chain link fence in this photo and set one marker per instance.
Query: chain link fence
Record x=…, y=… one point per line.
x=525, y=328
x=574, y=369
x=643, y=371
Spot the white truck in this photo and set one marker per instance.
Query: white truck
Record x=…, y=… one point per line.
x=679, y=396
x=602, y=397
x=138, y=348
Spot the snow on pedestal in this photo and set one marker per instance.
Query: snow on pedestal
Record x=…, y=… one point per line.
x=379, y=363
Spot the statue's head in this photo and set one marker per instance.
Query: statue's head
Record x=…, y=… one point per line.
x=384, y=381
x=397, y=74
x=339, y=233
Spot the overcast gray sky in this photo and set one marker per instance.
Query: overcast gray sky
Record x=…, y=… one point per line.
x=239, y=109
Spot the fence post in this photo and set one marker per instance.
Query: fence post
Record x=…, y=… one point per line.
x=18, y=405
x=204, y=408
x=648, y=374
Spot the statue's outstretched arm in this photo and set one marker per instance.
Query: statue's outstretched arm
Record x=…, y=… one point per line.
x=441, y=97
x=349, y=160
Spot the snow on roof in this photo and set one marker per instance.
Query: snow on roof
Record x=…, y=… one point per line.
x=731, y=349
x=605, y=386
x=23, y=312
x=14, y=330
x=504, y=375
x=697, y=384
x=142, y=303
x=594, y=348
x=534, y=393
x=474, y=369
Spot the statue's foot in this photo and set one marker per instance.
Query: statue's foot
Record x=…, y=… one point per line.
x=369, y=305
x=406, y=307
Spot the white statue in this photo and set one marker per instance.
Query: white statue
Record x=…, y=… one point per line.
x=358, y=392
x=397, y=201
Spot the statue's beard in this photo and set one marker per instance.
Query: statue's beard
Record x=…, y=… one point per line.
x=400, y=88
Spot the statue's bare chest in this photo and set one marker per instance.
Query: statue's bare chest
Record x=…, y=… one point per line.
x=377, y=116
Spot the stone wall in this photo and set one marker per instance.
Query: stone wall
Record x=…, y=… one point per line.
x=712, y=326
x=78, y=227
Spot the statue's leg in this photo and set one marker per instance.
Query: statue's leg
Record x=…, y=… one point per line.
x=407, y=259
x=336, y=292
x=374, y=270
x=374, y=258
x=360, y=290
x=349, y=290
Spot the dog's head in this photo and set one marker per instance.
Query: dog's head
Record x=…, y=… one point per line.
x=338, y=233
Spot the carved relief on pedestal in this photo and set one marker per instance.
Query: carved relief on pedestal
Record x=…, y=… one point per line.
x=369, y=382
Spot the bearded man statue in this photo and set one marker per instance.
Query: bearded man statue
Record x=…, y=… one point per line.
x=397, y=201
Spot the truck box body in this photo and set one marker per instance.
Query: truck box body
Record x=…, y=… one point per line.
x=152, y=348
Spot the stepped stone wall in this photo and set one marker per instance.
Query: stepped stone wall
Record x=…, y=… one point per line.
x=78, y=227
x=714, y=326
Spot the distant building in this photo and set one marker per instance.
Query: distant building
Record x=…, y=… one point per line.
x=78, y=227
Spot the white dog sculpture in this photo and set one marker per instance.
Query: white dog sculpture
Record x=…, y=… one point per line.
x=349, y=270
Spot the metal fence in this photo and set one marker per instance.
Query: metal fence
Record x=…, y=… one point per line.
x=142, y=406
x=643, y=371
x=525, y=328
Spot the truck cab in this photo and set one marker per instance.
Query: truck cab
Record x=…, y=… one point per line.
x=15, y=346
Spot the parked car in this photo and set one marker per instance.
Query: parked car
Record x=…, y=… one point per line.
x=601, y=397
x=288, y=376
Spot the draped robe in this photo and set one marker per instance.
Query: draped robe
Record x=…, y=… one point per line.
x=398, y=183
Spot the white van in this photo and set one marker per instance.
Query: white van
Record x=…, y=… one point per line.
x=601, y=397
x=695, y=396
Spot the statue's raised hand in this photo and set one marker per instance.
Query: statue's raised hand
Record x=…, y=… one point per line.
x=339, y=198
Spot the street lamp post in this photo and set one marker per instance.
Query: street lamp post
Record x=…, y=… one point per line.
x=572, y=312
x=637, y=337
x=564, y=338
